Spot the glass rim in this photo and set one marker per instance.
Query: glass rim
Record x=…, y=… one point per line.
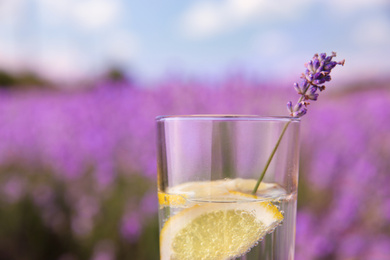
x=227, y=117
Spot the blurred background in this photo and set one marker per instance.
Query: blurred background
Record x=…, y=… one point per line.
x=81, y=82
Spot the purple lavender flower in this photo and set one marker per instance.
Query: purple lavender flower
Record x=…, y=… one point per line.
x=316, y=74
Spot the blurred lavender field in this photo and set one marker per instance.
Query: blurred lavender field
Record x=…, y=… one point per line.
x=78, y=174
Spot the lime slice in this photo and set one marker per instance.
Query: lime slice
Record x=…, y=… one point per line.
x=218, y=230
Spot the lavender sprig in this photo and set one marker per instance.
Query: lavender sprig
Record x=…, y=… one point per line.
x=317, y=73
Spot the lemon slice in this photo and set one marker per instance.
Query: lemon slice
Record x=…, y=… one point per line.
x=177, y=195
x=173, y=200
x=218, y=230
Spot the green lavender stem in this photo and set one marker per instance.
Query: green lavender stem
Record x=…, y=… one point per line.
x=270, y=158
x=317, y=73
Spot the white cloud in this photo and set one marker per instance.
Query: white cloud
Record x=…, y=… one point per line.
x=207, y=18
x=84, y=14
x=204, y=19
x=241, y=10
x=96, y=14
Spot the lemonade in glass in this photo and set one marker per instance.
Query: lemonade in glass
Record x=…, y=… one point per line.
x=208, y=168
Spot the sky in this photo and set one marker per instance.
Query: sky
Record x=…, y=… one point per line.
x=68, y=40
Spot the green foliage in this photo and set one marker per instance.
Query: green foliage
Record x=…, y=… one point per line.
x=21, y=80
x=32, y=230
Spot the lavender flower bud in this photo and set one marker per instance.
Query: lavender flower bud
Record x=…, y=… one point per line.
x=321, y=88
x=327, y=77
x=329, y=66
x=297, y=88
x=317, y=76
x=299, y=113
x=302, y=112
x=298, y=110
x=316, y=64
x=309, y=67
x=312, y=95
x=305, y=84
x=289, y=107
x=298, y=106
x=319, y=81
x=328, y=59
x=309, y=77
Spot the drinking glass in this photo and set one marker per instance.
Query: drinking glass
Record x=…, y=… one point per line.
x=211, y=205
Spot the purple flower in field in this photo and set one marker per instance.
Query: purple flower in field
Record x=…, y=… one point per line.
x=131, y=227
x=104, y=250
x=13, y=189
x=316, y=74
